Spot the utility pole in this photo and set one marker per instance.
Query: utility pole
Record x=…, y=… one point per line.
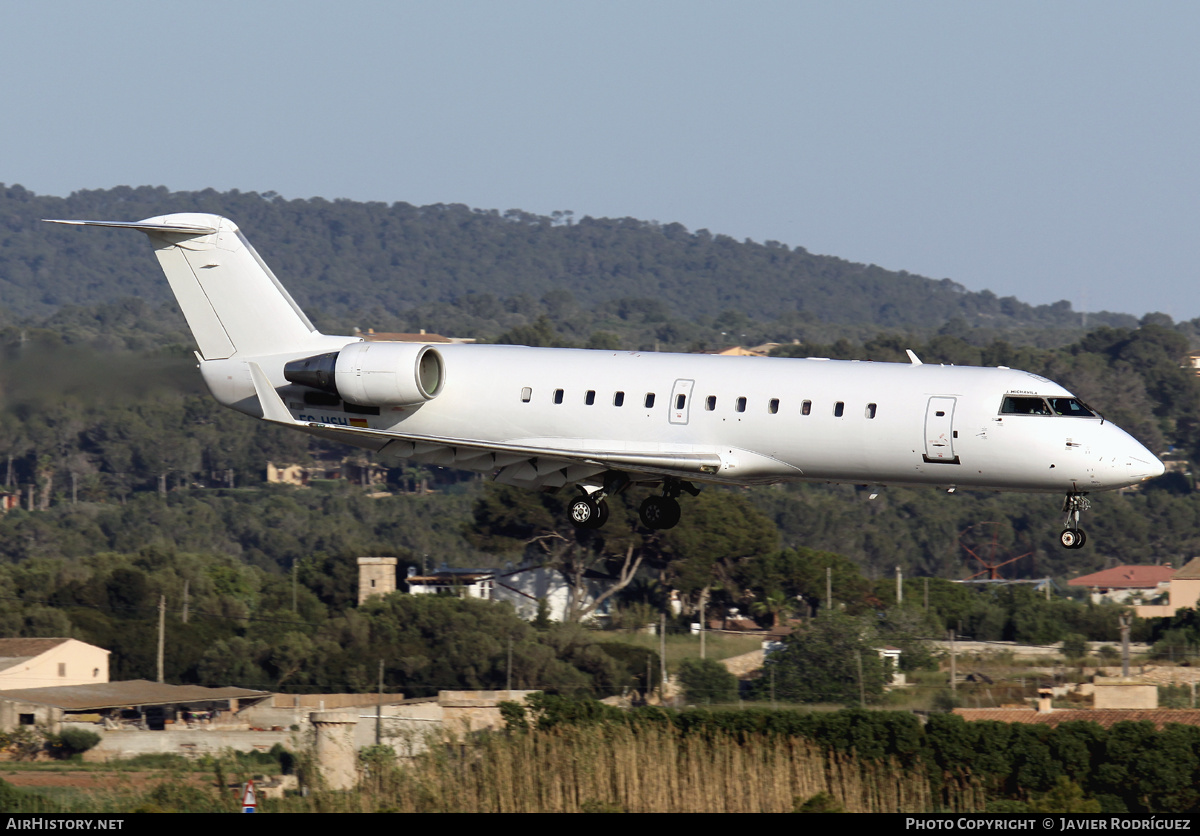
x=1126, y=620
x=953, y=664
x=662, y=657
x=162, y=631
x=379, y=709
x=862, y=690
x=185, y=601
x=899, y=586
x=829, y=587
x=702, y=627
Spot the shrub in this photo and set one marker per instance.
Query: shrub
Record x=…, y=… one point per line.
x=1074, y=646
x=73, y=741
x=707, y=681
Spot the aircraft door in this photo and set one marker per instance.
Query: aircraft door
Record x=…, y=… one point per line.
x=939, y=431
x=681, y=397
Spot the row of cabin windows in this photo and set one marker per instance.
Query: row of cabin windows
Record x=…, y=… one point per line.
x=710, y=403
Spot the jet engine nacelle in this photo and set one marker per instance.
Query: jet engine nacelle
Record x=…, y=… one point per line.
x=374, y=374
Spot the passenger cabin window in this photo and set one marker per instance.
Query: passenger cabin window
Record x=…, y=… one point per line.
x=680, y=400
x=839, y=409
x=1024, y=406
x=619, y=399
x=649, y=400
x=773, y=405
x=558, y=395
x=806, y=408
x=710, y=403
x=870, y=410
x=741, y=404
x=590, y=397
x=526, y=395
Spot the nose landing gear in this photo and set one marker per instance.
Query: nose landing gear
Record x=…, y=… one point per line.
x=1072, y=536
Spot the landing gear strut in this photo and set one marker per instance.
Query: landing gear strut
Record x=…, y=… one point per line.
x=1072, y=536
x=662, y=512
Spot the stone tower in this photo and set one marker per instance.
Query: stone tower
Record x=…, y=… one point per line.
x=376, y=576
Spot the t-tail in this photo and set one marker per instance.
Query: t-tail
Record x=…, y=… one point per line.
x=233, y=303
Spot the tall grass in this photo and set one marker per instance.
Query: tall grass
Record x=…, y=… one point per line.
x=647, y=770
x=595, y=769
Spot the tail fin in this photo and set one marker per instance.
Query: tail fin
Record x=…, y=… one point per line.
x=232, y=301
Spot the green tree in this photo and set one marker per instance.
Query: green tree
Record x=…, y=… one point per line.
x=832, y=659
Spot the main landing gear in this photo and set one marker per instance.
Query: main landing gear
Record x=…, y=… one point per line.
x=662, y=512
x=1073, y=537
x=590, y=510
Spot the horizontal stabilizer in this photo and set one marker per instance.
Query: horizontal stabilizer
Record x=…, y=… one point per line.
x=143, y=226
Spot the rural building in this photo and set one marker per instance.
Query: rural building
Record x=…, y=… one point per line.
x=1183, y=592
x=522, y=586
x=1126, y=584
x=133, y=704
x=42, y=663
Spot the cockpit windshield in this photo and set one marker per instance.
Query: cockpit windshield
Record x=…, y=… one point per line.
x=1026, y=405
x=1071, y=406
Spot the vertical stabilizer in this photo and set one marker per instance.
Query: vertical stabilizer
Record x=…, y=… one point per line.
x=232, y=301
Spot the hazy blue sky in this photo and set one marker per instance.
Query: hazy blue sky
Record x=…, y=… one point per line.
x=1046, y=150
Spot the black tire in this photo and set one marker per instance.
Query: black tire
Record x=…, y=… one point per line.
x=659, y=513
x=1071, y=538
x=601, y=514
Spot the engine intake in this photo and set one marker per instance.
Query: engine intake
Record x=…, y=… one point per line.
x=373, y=373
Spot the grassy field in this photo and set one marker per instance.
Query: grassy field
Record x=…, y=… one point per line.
x=684, y=646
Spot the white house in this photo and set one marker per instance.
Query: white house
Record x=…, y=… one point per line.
x=44, y=663
x=522, y=587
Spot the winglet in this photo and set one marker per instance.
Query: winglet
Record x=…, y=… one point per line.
x=272, y=405
x=912, y=358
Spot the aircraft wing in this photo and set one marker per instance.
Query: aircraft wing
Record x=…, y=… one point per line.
x=524, y=465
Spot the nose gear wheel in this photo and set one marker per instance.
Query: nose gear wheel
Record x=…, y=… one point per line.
x=1072, y=536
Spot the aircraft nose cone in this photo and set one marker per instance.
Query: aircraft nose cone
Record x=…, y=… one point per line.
x=1141, y=465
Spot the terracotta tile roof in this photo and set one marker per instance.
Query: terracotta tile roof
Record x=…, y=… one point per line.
x=1106, y=718
x=1126, y=577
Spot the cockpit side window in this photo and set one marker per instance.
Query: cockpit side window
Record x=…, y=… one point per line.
x=1014, y=405
x=1071, y=406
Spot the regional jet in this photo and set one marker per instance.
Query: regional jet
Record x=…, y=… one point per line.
x=603, y=420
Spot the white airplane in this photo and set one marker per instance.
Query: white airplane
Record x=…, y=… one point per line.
x=602, y=420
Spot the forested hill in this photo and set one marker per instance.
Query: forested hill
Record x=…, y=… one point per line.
x=341, y=258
